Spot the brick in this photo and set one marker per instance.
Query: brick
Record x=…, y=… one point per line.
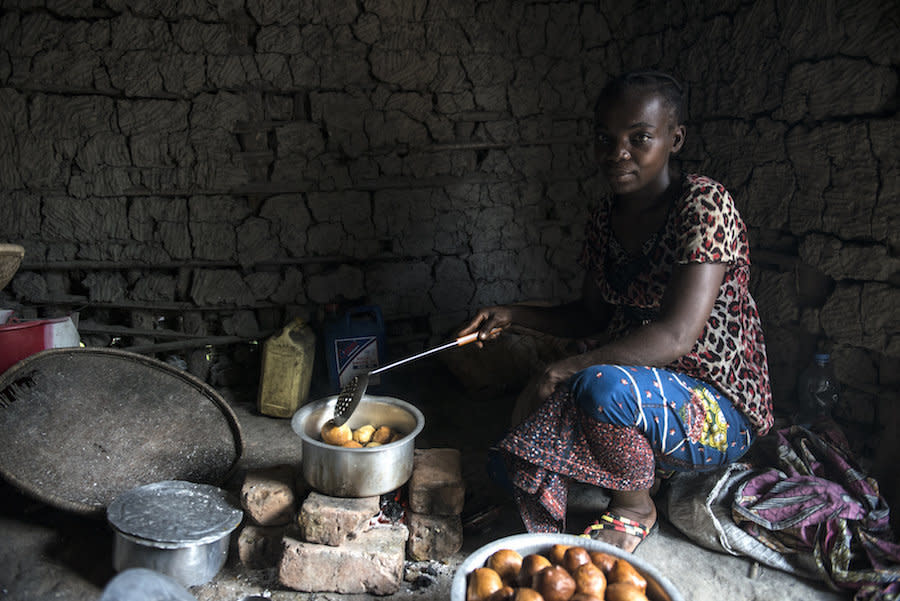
x=841, y=318
x=136, y=73
x=255, y=242
x=105, y=286
x=259, y=547
x=220, y=286
x=146, y=117
x=164, y=220
x=878, y=307
x=346, y=280
x=777, y=294
x=268, y=496
x=846, y=260
x=487, y=70
x=20, y=212
x=154, y=287
x=299, y=138
x=433, y=537
x=451, y=283
x=28, y=285
x=437, y=486
x=290, y=219
x=405, y=67
x=859, y=88
x=372, y=563
x=101, y=219
x=280, y=39
x=399, y=285
x=333, y=520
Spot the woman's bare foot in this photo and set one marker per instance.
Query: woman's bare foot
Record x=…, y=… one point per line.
x=636, y=506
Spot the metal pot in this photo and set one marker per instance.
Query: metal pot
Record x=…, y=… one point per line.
x=176, y=528
x=366, y=472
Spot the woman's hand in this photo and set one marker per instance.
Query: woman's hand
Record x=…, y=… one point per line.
x=488, y=322
x=541, y=387
x=557, y=373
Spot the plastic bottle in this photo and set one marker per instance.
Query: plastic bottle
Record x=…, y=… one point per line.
x=354, y=343
x=287, y=368
x=817, y=390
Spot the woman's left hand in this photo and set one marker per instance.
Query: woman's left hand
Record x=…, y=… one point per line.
x=556, y=374
x=541, y=387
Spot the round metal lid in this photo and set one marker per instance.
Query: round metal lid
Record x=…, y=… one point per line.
x=174, y=512
x=81, y=426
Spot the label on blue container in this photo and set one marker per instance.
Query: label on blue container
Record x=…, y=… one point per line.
x=356, y=355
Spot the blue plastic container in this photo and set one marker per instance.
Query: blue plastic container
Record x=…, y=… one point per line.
x=354, y=343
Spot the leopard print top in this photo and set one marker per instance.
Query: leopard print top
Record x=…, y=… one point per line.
x=703, y=226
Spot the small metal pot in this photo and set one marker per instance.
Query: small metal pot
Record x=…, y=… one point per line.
x=366, y=472
x=176, y=528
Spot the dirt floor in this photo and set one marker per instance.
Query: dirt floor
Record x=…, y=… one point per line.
x=48, y=554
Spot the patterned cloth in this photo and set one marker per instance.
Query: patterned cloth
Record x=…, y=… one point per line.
x=817, y=500
x=688, y=423
x=612, y=429
x=703, y=226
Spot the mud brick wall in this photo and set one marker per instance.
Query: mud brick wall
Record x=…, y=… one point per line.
x=212, y=168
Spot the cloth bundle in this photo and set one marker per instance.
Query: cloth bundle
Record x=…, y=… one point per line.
x=804, y=506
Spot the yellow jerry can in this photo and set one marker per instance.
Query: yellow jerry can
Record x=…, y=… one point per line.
x=287, y=368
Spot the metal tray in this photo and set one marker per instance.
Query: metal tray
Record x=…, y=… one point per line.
x=82, y=425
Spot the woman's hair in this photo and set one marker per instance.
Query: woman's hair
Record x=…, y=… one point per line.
x=672, y=91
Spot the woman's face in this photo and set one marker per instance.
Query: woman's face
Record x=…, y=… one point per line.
x=634, y=135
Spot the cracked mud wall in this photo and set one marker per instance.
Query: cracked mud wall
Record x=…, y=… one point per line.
x=226, y=165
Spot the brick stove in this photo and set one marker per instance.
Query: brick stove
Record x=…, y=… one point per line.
x=352, y=545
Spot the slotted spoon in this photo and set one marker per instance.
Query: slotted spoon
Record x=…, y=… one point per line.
x=353, y=391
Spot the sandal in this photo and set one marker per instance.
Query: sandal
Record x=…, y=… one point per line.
x=619, y=523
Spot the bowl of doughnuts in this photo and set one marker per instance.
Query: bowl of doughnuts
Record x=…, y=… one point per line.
x=557, y=567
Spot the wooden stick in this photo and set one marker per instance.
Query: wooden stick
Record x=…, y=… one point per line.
x=181, y=345
x=94, y=328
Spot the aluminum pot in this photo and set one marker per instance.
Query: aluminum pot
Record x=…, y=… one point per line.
x=365, y=472
x=179, y=529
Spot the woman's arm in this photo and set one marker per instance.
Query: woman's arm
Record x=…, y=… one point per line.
x=684, y=311
x=586, y=316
